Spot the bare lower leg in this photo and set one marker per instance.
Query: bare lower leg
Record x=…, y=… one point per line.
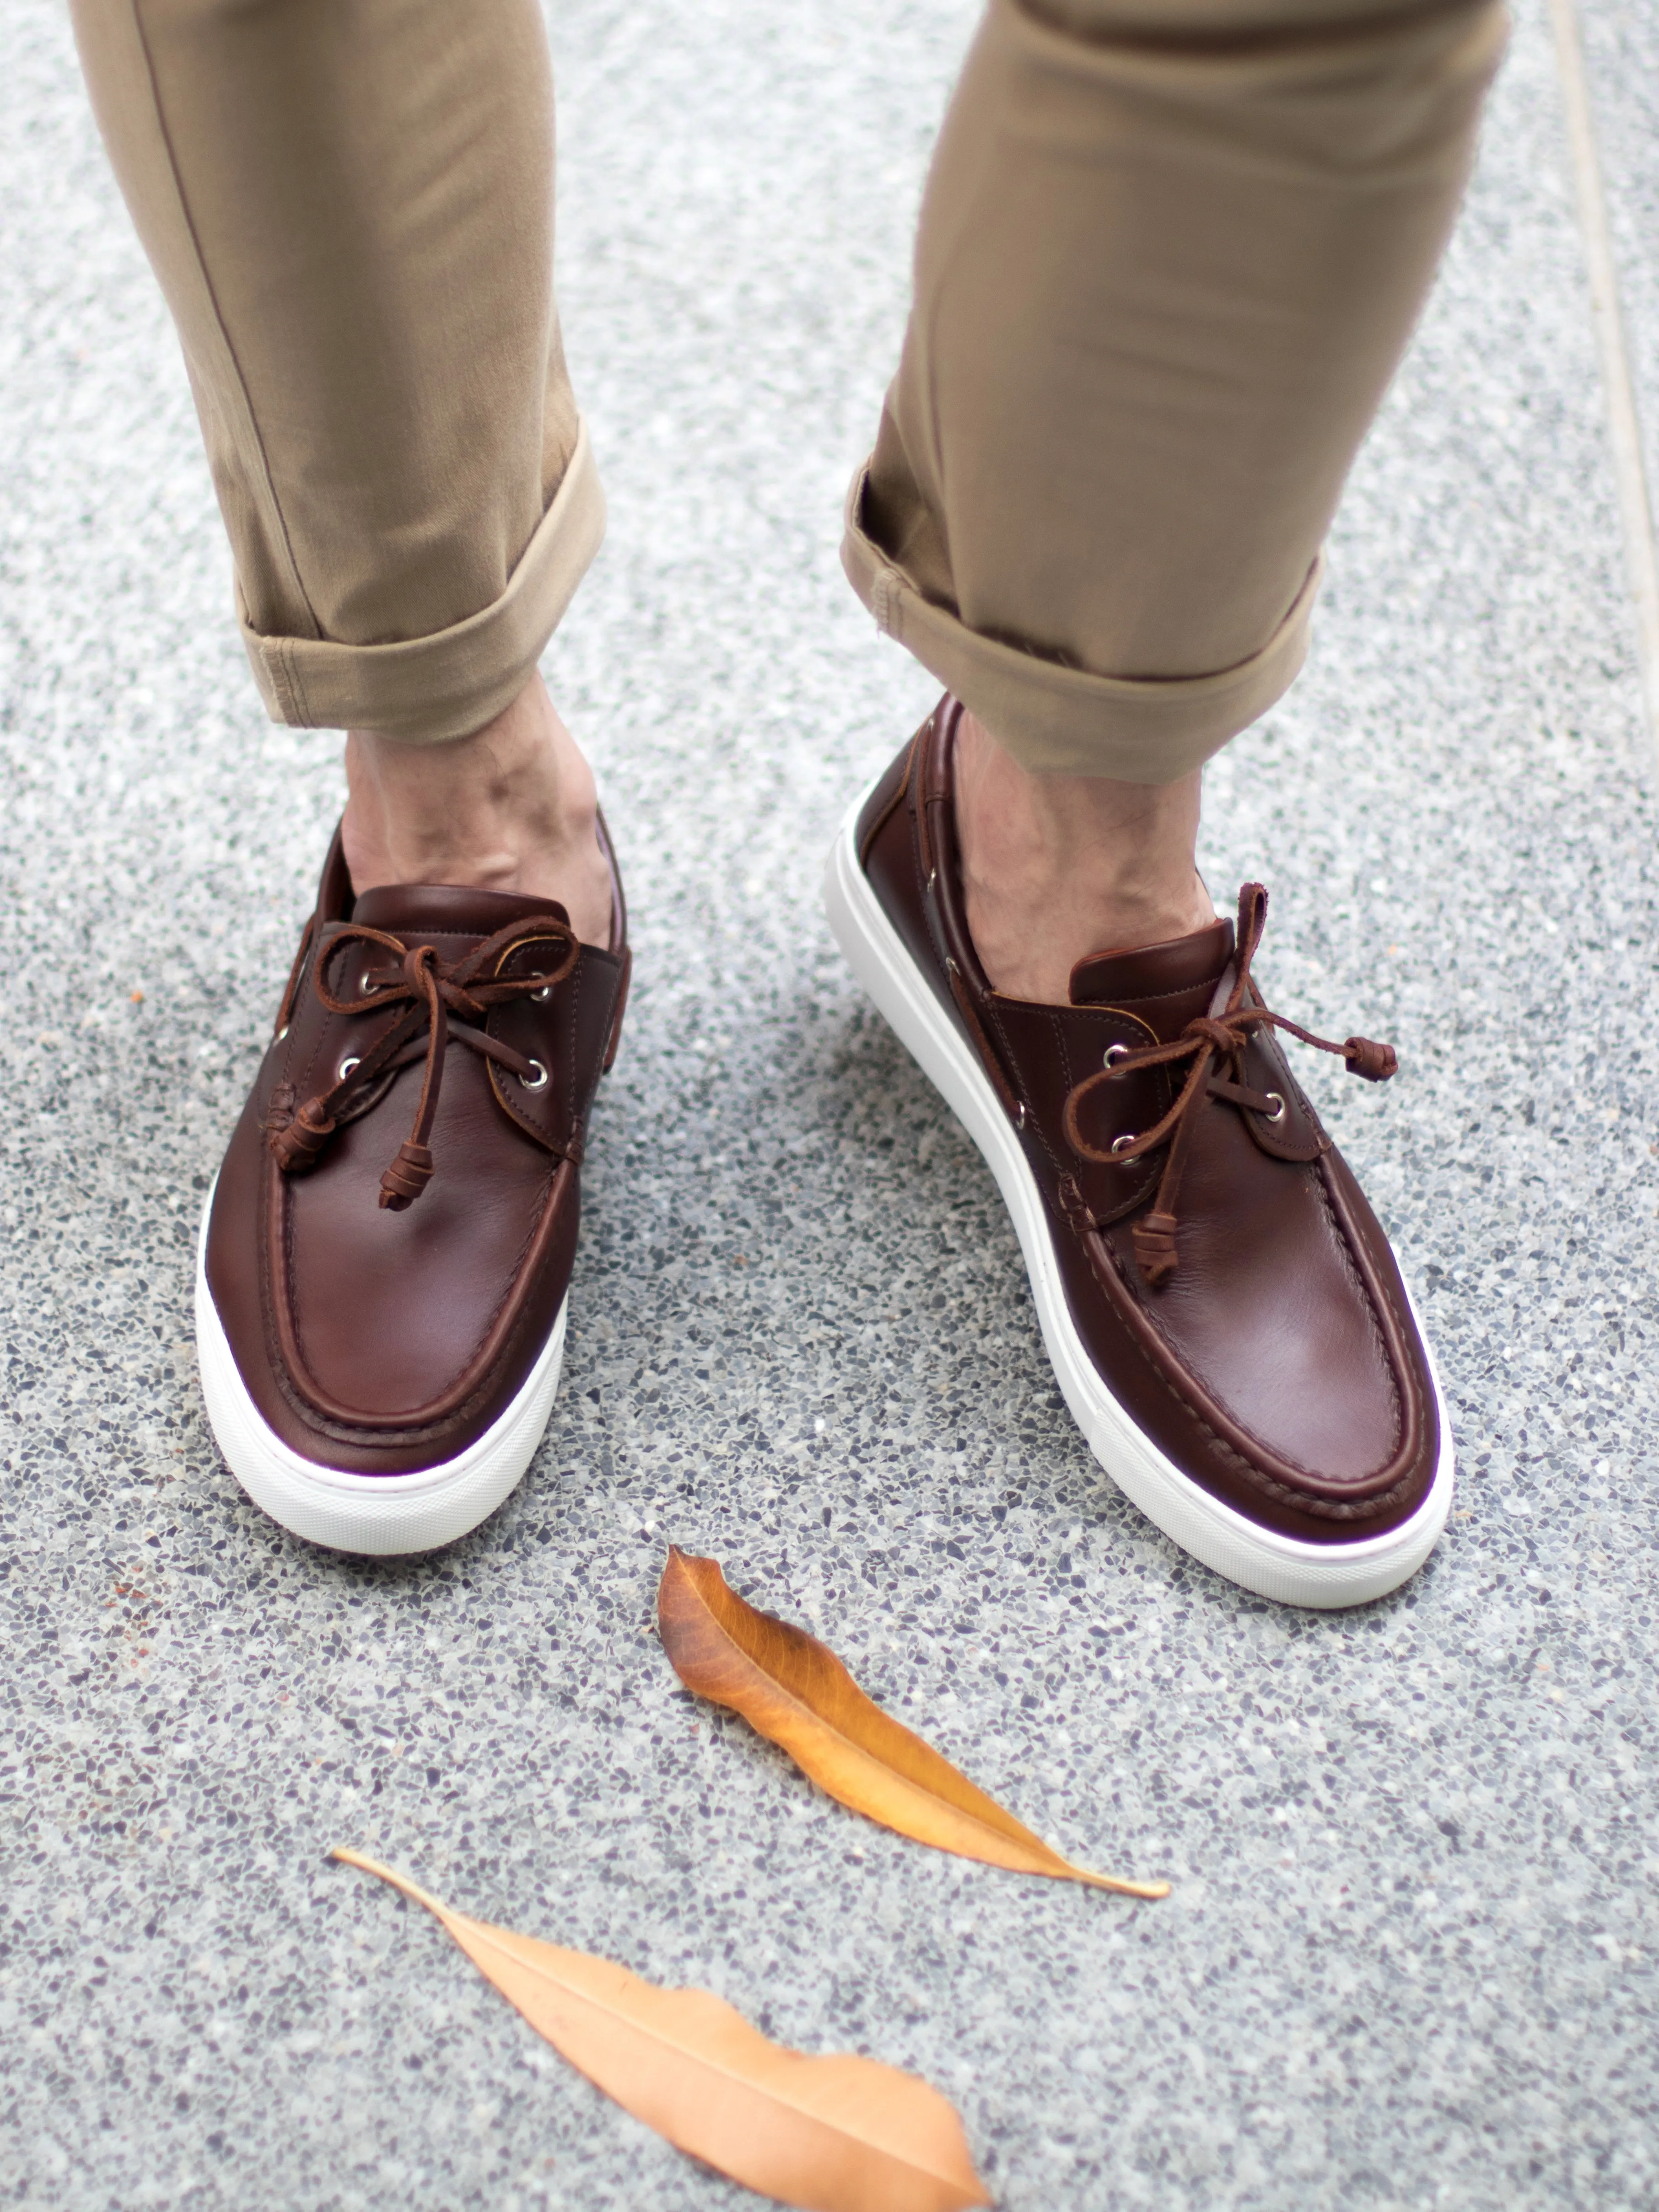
x=1055, y=867
x=512, y=808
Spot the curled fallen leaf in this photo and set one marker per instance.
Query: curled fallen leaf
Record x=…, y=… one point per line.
x=840, y=2134
x=794, y=1690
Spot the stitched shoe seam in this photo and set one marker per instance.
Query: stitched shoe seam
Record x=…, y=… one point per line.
x=381, y=1439
x=1322, y=1509
x=1401, y=1321
x=901, y=786
x=1379, y=1341
x=1206, y=983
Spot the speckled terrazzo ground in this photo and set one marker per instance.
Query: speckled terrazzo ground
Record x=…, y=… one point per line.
x=1409, y=1959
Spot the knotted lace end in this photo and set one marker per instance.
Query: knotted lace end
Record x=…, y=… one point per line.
x=1375, y=1062
x=1154, y=1239
x=296, y=1146
x=407, y=1177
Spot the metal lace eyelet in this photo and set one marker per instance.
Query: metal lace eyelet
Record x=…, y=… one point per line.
x=546, y=991
x=1278, y=1114
x=1122, y=1143
x=1019, y=1115
x=539, y=1080
x=353, y=1060
x=280, y=1035
x=1115, y=1053
x=933, y=878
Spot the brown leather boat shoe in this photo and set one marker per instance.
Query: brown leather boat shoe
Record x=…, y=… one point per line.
x=1222, y=1311
x=380, y=1283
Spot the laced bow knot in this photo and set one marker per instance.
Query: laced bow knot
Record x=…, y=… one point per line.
x=432, y=993
x=1211, y=1042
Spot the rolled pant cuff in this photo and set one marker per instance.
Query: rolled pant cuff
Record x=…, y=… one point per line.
x=425, y=690
x=1059, y=721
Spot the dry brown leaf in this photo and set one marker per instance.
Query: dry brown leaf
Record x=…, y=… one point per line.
x=840, y=2134
x=794, y=1690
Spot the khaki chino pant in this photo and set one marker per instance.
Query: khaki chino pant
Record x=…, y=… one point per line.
x=1170, y=254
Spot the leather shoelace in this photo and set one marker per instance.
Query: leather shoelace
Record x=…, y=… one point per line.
x=433, y=992
x=1210, y=1040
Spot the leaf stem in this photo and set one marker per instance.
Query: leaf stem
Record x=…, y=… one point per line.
x=1153, y=1889
x=412, y=1890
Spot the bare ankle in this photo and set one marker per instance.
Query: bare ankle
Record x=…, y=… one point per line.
x=511, y=808
x=1057, y=867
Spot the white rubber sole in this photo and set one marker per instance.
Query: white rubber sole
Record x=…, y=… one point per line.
x=1283, y=1568
x=379, y=1515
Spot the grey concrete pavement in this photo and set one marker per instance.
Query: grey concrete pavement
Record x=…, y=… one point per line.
x=1409, y=1960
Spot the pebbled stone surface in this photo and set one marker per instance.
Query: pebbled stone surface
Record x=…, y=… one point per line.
x=1409, y=1958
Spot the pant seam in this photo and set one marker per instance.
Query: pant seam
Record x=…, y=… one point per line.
x=174, y=172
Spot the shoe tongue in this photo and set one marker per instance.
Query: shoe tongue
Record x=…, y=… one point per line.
x=1166, y=985
x=417, y=909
